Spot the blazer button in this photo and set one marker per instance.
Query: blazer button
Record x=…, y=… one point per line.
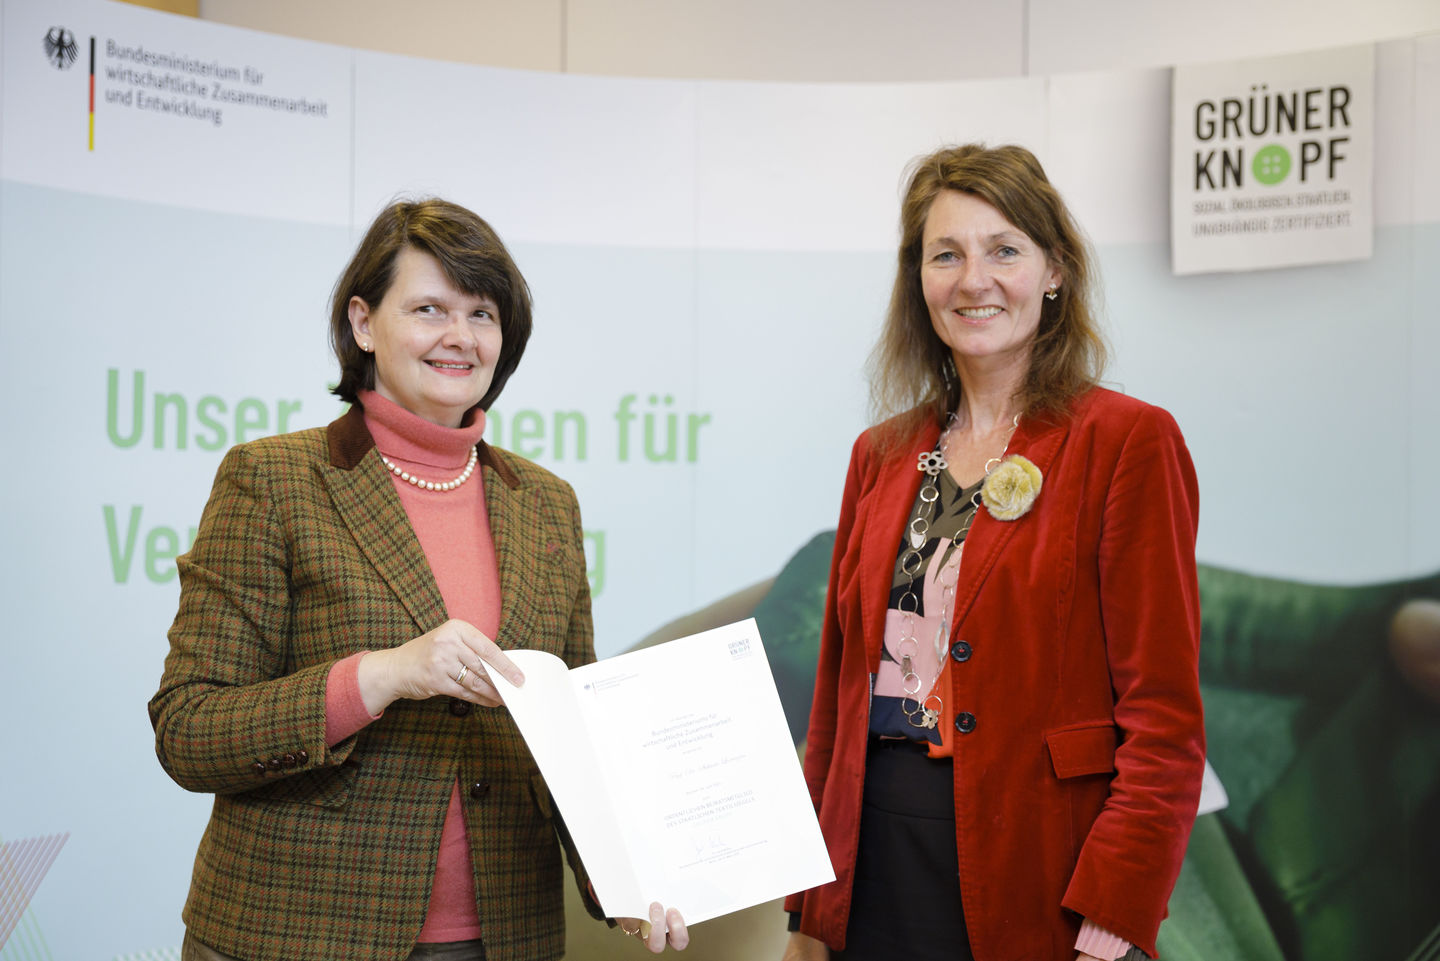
x=273, y=764
x=288, y=760
x=964, y=722
x=258, y=767
x=961, y=651
x=302, y=757
x=479, y=789
x=458, y=707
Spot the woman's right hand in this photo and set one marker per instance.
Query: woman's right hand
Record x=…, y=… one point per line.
x=427, y=666
x=802, y=947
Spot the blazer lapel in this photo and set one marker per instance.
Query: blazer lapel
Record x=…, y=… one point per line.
x=988, y=537
x=366, y=502
x=887, y=508
x=515, y=528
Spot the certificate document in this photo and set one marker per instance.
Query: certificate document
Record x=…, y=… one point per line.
x=675, y=773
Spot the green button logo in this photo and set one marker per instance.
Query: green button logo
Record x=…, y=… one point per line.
x=1272, y=164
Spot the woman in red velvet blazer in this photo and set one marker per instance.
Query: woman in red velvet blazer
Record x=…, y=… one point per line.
x=1057, y=730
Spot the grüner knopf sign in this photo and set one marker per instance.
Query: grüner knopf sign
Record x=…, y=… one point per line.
x=1272, y=161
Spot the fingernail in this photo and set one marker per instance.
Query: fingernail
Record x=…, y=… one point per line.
x=645, y=930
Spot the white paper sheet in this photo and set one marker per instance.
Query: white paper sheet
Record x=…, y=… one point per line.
x=675, y=773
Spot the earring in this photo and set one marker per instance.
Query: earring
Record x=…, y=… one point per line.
x=364, y=347
x=1053, y=292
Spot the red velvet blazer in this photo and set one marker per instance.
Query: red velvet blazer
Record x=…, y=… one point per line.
x=1077, y=787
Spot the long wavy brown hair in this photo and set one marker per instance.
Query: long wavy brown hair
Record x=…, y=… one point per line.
x=911, y=371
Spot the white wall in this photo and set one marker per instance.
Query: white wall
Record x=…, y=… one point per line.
x=826, y=40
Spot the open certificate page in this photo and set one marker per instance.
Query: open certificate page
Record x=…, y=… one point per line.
x=675, y=774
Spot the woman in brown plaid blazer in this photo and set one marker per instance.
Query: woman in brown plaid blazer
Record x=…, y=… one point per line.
x=373, y=798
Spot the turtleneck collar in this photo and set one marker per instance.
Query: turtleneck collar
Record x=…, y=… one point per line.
x=403, y=436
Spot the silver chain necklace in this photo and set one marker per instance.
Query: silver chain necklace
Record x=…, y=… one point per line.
x=925, y=712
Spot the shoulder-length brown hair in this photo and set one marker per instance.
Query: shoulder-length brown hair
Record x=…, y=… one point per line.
x=911, y=373
x=472, y=257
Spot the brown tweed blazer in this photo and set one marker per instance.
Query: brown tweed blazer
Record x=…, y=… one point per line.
x=304, y=555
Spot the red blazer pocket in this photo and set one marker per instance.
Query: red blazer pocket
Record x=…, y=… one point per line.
x=1084, y=750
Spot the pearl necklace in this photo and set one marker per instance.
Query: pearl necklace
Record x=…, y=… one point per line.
x=440, y=486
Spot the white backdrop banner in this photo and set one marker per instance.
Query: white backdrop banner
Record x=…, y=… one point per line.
x=710, y=262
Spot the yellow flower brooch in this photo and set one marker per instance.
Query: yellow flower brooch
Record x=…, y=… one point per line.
x=1011, y=488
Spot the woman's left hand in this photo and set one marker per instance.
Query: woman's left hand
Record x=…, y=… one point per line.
x=663, y=927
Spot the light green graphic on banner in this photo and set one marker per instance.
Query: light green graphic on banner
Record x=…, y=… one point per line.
x=1271, y=164
x=26, y=942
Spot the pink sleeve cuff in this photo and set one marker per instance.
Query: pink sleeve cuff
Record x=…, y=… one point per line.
x=344, y=707
x=1099, y=943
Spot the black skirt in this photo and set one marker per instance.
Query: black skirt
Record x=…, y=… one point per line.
x=906, y=900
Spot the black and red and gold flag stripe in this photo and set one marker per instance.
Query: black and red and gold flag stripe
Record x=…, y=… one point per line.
x=92, y=93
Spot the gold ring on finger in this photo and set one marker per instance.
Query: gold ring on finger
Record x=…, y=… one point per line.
x=464, y=669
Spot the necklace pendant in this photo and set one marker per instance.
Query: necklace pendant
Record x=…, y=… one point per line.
x=932, y=462
x=922, y=717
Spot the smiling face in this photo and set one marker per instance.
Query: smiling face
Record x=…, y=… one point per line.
x=984, y=282
x=435, y=346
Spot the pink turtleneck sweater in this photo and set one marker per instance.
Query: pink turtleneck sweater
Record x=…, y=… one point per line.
x=454, y=532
